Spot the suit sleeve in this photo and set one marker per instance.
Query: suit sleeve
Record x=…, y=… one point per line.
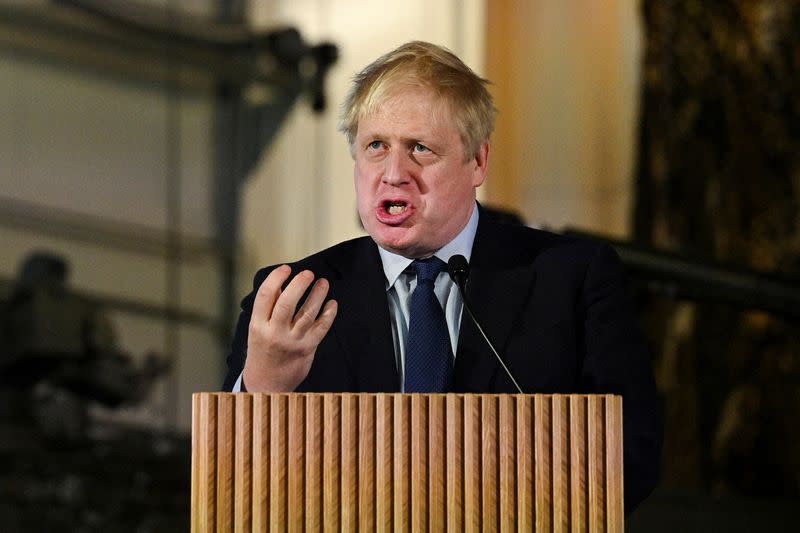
x=617, y=361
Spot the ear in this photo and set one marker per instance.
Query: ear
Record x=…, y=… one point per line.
x=480, y=165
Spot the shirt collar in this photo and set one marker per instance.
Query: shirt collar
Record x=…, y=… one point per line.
x=394, y=264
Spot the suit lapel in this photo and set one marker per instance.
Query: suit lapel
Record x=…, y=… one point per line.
x=498, y=288
x=362, y=324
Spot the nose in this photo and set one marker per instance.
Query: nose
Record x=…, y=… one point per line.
x=398, y=168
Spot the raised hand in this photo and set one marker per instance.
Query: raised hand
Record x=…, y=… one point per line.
x=281, y=343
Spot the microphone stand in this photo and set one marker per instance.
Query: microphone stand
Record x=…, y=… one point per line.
x=458, y=268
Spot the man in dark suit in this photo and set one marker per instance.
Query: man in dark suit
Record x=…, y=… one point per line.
x=418, y=122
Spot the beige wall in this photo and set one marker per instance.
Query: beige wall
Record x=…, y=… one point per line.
x=566, y=84
x=79, y=145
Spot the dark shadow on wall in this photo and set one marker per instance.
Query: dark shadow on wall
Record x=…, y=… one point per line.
x=59, y=359
x=718, y=179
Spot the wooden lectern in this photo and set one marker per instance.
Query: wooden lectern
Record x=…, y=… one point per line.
x=406, y=462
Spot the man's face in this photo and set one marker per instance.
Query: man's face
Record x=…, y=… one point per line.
x=415, y=190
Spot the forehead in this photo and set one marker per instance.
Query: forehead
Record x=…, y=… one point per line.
x=416, y=108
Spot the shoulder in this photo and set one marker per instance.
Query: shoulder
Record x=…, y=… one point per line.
x=518, y=244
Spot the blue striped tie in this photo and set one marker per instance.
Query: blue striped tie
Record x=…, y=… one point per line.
x=429, y=356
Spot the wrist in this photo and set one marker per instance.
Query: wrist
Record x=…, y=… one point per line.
x=264, y=381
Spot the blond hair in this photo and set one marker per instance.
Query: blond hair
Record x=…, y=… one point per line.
x=420, y=64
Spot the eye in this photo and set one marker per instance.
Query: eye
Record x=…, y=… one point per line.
x=420, y=148
x=375, y=145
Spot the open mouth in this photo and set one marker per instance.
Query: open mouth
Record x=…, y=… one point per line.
x=394, y=207
x=394, y=212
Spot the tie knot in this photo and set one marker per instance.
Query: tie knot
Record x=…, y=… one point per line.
x=428, y=269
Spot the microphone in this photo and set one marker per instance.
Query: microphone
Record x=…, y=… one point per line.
x=458, y=268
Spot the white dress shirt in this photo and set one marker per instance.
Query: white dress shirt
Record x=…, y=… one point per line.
x=401, y=281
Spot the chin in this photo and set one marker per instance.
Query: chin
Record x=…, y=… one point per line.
x=401, y=241
x=397, y=246
x=393, y=246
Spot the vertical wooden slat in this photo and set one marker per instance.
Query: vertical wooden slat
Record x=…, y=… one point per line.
x=366, y=462
x=489, y=485
x=402, y=463
x=198, y=430
x=596, y=465
x=349, y=490
x=614, y=465
x=472, y=463
x=508, y=464
x=243, y=463
x=419, y=463
x=560, y=445
x=225, y=452
x=525, y=464
x=278, y=456
x=331, y=471
x=384, y=435
x=206, y=489
x=543, y=459
x=579, y=483
x=313, y=474
x=296, y=464
x=437, y=497
x=454, y=408
x=261, y=461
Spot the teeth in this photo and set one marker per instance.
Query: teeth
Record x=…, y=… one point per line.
x=396, y=209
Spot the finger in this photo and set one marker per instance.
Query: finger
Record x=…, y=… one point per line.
x=286, y=304
x=308, y=312
x=268, y=293
x=323, y=324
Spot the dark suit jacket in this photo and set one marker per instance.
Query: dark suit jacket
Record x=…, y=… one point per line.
x=555, y=307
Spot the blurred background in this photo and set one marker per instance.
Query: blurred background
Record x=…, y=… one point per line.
x=155, y=153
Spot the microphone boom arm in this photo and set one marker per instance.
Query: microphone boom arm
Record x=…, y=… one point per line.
x=458, y=268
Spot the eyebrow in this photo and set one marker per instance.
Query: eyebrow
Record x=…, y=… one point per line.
x=406, y=140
